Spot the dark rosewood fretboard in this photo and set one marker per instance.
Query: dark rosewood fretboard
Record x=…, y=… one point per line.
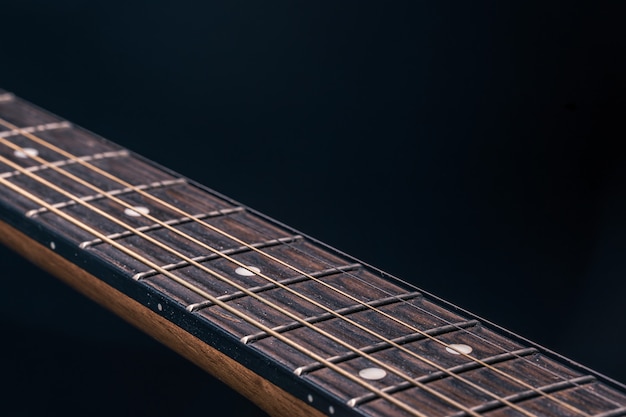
x=327, y=332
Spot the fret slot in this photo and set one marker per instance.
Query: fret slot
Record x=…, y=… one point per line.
x=33, y=129
x=267, y=287
x=328, y=316
x=387, y=345
x=529, y=394
x=100, y=196
x=212, y=256
x=459, y=369
x=65, y=162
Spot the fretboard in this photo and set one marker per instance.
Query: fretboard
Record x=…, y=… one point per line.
x=238, y=290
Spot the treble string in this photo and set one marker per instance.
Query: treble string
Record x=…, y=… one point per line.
x=275, y=307
x=333, y=288
x=538, y=391
x=218, y=302
x=199, y=291
x=428, y=312
x=275, y=282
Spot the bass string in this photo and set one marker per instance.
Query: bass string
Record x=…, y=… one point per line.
x=218, y=302
x=277, y=283
x=292, y=246
x=199, y=291
x=272, y=305
x=426, y=311
x=70, y=156
x=538, y=391
x=74, y=198
x=211, y=227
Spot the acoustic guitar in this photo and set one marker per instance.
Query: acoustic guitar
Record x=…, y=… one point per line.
x=296, y=326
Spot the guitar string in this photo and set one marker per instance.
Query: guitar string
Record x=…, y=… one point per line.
x=487, y=365
x=74, y=198
x=199, y=291
x=121, y=202
x=406, y=302
x=294, y=247
x=326, y=263
x=237, y=313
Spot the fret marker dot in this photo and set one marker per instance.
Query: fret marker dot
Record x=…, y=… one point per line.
x=26, y=152
x=456, y=348
x=247, y=271
x=160, y=307
x=373, y=374
x=331, y=410
x=53, y=245
x=136, y=211
x=309, y=398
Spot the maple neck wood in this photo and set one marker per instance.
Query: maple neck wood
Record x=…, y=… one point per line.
x=291, y=323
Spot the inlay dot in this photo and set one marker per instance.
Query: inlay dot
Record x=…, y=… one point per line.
x=160, y=307
x=373, y=374
x=136, y=211
x=331, y=409
x=53, y=245
x=248, y=271
x=26, y=153
x=309, y=398
x=457, y=349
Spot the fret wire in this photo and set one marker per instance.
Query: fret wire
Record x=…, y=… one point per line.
x=521, y=396
x=179, y=221
x=458, y=328
x=94, y=157
x=329, y=336
x=100, y=196
x=437, y=375
x=619, y=412
x=200, y=266
x=425, y=334
x=177, y=265
x=218, y=302
x=266, y=287
x=327, y=316
x=70, y=156
x=37, y=128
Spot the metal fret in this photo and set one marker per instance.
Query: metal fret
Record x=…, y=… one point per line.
x=271, y=286
x=33, y=129
x=156, y=226
x=352, y=334
x=100, y=196
x=528, y=394
x=413, y=337
x=328, y=316
x=618, y=412
x=440, y=374
x=204, y=258
x=102, y=155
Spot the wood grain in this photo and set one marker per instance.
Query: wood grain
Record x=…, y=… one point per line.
x=264, y=394
x=333, y=331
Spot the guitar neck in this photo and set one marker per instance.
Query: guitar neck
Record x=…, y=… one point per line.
x=291, y=323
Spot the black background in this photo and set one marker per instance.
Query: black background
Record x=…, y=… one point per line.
x=471, y=148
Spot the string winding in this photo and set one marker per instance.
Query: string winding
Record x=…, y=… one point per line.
x=241, y=288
